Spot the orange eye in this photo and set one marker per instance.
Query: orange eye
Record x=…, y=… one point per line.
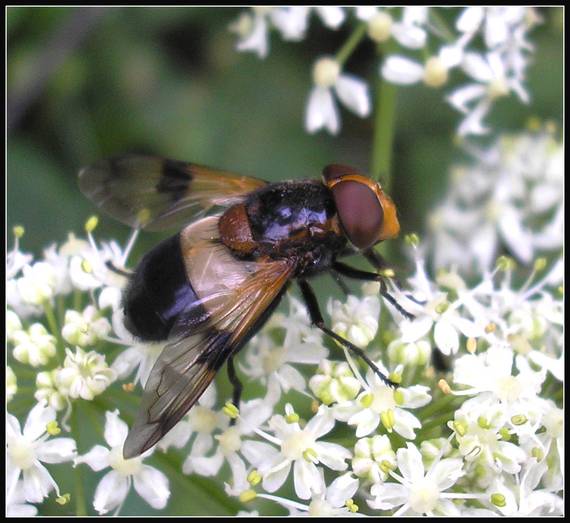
x=366, y=213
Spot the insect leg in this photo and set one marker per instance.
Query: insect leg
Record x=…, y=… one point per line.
x=110, y=265
x=378, y=261
x=236, y=383
x=317, y=320
x=357, y=274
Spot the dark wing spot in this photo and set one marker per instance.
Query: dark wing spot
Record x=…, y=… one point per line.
x=174, y=180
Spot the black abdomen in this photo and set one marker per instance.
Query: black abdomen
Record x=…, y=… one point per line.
x=159, y=291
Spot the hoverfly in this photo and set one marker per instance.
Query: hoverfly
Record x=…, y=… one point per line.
x=208, y=289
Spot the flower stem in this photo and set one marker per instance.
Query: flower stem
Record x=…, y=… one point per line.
x=80, y=506
x=350, y=45
x=52, y=322
x=384, y=120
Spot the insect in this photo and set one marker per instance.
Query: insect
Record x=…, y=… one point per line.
x=242, y=241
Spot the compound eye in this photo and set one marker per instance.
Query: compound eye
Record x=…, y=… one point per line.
x=359, y=211
x=358, y=206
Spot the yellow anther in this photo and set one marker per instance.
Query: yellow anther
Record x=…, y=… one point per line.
x=504, y=433
x=540, y=264
x=230, y=410
x=247, y=495
x=471, y=345
x=498, y=500
x=490, y=327
x=64, y=499
x=91, y=223
x=310, y=455
x=18, y=231
x=52, y=428
x=86, y=266
x=387, y=418
x=395, y=377
x=254, y=478
x=519, y=419
x=366, y=400
x=444, y=386
x=351, y=505
x=460, y=427
x=292, y=418
x=505, y=263
x=399, y=397
x=483, y=422
x=128, y=387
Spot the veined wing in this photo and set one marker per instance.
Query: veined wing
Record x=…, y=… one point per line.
x=156, y=193
x=237, y=297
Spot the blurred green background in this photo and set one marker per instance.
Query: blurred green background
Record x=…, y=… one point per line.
x=86, y=83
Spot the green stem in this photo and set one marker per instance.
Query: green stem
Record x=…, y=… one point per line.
x=80, y=504
x=440, y=23
x=384, y=124
x=436, y=406
x=52, y=322
x=350, y=45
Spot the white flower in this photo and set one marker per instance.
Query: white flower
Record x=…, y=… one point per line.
x=138, y=355
x=522, y=497
x=204, y=421
x=27, y=450
x=151, y=484
x=357, y=319
x=380, y=403
x=292, y=22
x=13, y=324
x=492, y=372
x=271, y=362
x=231, y=443
x=16, y=506
x=48, y=389
x=334, y=382
x=332, y=500
x=373, y=458
x=11, y=383
x=321, y=111
x=419, y=492
x=479, y=429
x=84, y=374
x=84, y=329
x=35, y=346
x=510, y=194
x=253, y=27
x=492, y=80
x=434, y=72
x=38, y=283
x=299, y=448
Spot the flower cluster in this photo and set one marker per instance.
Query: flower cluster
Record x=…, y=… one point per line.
x=488, y=46
x=487, y=441
x=508, y=197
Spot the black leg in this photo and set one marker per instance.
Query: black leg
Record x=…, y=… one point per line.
x=116, y=270
x=234, y=380
x=317, y=320
x=357, y=274
x=378, y=262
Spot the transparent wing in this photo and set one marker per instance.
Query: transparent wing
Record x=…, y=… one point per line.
x=188, y=364
x=156, y=193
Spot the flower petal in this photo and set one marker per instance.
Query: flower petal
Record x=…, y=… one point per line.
x=152, y=486
x=353, y=93
x=110, y=492
x=401, y=70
